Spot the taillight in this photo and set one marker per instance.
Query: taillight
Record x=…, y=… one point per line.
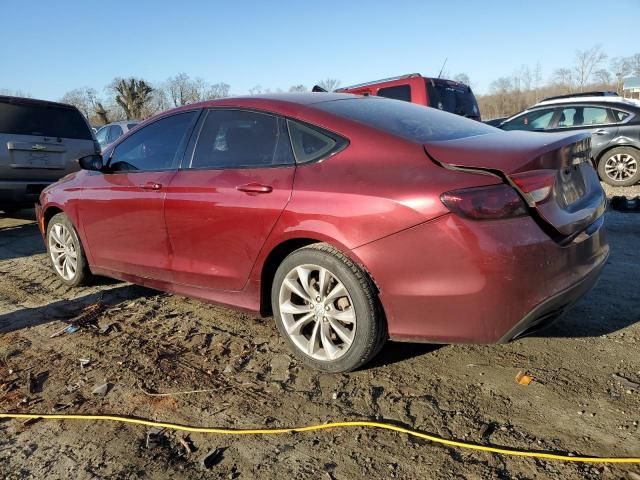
x=485, y=203
x=535, y=185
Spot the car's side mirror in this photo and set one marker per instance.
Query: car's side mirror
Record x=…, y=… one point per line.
x=91, y=162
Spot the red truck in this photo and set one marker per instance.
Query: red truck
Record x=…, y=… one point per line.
x=440, y=93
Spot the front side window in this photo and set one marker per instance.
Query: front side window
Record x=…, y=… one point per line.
x=401, y=92
x=532, y=121
x=242, y=139
x=155, y=147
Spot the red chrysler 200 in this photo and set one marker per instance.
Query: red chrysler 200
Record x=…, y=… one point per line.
x=351, y=219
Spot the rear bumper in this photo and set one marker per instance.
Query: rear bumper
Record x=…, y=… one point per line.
x=550, y=310
x=453, y=280
x=20, y=193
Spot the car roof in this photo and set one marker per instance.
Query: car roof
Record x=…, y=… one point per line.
x=300, y=98
x=595, y=99
x=282, y=103
x=33, y=102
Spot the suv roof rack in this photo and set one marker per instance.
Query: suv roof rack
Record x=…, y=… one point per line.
x=583, y=94
x=390, y=79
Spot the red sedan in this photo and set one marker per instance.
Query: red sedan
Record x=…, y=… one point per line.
x=350, y=219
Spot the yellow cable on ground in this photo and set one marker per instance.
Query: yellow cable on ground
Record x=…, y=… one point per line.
x=324, y=426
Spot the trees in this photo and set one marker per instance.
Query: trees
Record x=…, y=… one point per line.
x=84, y=99
x=298, y=88
x=463, y=78
x=329, y=84
x=587, y=63
x=218, y=90
x=14, y=93
x=182, y=90
x=132, y=95
x=563, y=77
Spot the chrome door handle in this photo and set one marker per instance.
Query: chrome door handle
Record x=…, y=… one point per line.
x=151, y=186
x=602, y=131
x=255, y=188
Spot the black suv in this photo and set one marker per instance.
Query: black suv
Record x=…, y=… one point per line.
x=40, y=142
x=614, y=123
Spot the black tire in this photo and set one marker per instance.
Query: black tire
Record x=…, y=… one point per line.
x=82, y=274
x=371, y=331
x=611, y=154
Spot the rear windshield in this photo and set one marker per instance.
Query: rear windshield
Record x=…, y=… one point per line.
x=43, y=120
x=452, y=97
x=407, y=120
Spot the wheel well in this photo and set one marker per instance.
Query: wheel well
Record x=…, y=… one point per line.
x=608, y=149
x=49, y=213
x=273, y=260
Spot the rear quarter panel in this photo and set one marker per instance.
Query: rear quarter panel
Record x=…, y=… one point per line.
x=377, y=186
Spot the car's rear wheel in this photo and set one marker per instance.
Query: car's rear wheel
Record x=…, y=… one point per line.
x=65, y=252
x=620, y=167
x=326, y=308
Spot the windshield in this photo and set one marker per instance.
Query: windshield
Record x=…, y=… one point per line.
x=407, y=120
x=452, y=97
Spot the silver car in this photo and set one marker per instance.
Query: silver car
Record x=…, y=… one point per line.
x=112, y=131
x=40, y=142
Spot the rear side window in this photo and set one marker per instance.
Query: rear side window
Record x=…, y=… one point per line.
x=43, y=120
x=401, y=92
x=620, y=116
x=310, y=144
x=131, y=125
x=407, y=120
x=242, y=139
x=582, y=116
x=155, y=147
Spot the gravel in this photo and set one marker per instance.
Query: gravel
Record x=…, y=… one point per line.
x=629, y=192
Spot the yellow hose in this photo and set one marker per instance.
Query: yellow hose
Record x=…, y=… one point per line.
x=324, y=426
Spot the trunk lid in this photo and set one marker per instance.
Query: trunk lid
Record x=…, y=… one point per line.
x=575, y=198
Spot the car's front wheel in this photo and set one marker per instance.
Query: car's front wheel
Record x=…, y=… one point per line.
x=65, y=252
x=620, y=167
x=326, y=308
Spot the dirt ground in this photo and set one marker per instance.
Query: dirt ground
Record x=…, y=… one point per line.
x=146, y=342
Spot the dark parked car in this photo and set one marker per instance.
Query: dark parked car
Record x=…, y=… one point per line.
x=350, y=218
x=40, y=142
x=614, y=124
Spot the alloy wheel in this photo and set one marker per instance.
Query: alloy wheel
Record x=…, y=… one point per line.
x=621, y=167
x=62, y=249
x=317, y=312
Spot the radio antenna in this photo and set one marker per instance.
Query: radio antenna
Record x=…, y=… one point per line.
x=445, y=62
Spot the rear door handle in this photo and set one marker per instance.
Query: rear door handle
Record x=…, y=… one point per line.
x=255, y=188
x=602, y=131
x=151, y=186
